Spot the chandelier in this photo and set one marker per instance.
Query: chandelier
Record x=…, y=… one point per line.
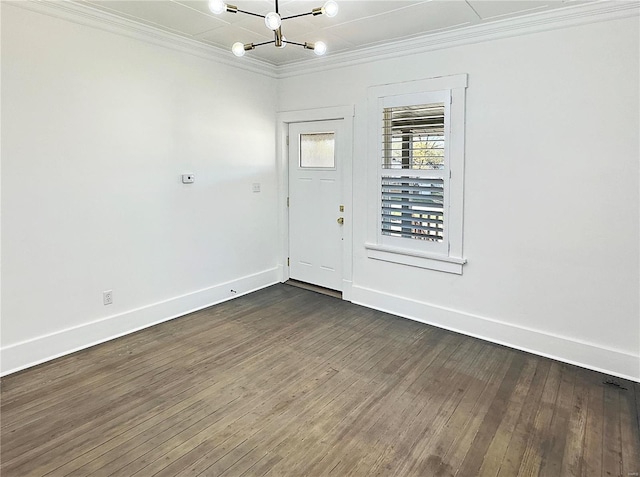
x=273, y=21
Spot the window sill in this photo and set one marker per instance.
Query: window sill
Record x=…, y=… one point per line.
x=431, y=261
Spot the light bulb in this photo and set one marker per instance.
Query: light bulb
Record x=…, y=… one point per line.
x=238, y=49
x=217, y=6
x=284, y=42
x=273, y=21
x=330, y=8
x=320, y=48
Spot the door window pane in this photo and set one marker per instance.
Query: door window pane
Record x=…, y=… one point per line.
x=318, y=150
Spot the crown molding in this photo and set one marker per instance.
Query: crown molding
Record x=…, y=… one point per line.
x=87, y=16
x=536, y=22
x=569, y=16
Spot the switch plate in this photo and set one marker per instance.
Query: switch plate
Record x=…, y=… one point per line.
x=188, y=178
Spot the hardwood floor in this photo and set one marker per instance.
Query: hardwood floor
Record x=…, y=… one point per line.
x=288, y=382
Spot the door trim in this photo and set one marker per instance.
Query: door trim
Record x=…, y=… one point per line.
x=285, y=118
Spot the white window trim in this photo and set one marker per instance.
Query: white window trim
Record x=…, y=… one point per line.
x=453, y=261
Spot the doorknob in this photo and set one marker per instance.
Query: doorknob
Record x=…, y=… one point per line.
x=341, y=220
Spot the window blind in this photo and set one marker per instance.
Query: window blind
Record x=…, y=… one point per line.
x=413, y=178
x=413, y=207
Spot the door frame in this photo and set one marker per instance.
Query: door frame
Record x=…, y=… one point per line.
x=345, y=166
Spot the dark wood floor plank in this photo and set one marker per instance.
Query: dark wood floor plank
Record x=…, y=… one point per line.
x=498, y=386
x=572, y=460
x=630, y=434
x=176, y=385
x=288, y=382
x=155, y=432
x=63, y=370
x=313, y=434
x=443, y=384
x=344, y=428
x=490, y=445
x=140, y=418
x=183, y=343
x=184, y=447
x=554, y=443
x=131, y=371
x=612, y=444
x=223, y=465
x=197, y=454
x=594, y=439
x=532, y=458
x=354, y=430
x=510, y=465
x=275, y=362
x=430, y=446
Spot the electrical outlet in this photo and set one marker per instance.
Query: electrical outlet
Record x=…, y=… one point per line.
x=107, y=297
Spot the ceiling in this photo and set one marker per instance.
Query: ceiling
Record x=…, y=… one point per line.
x=359, y=23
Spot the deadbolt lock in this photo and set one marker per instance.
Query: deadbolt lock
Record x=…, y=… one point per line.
x=341, y=220
x=342, y=208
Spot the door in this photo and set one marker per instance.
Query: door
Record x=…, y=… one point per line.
x=315, y=201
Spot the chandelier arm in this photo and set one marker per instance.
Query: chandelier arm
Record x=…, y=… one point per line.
x=251, y=13
x=299, y=15
x=295, y=43
x=264, y=43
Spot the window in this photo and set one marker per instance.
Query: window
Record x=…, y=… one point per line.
x=317, y=150
x=417, y=133
x=414, y=173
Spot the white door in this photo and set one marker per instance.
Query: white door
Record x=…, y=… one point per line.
x=315, y=200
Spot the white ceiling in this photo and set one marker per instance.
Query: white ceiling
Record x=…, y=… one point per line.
x=359, y=23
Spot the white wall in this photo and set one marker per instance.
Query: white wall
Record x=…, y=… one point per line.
x=96, y=130
x=98, y=127
x=551, y=199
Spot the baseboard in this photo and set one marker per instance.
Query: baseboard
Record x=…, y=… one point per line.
x=561, y=348
x=47, y=347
